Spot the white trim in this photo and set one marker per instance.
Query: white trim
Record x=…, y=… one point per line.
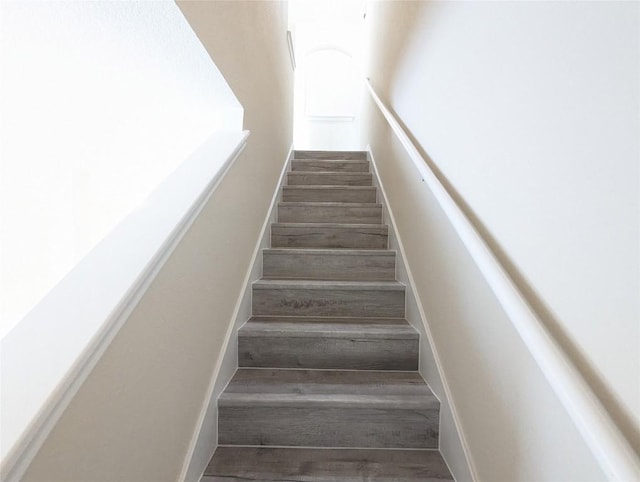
x=412, y=287
x=199, y=452
x=608, y=445
x=64, y=389
x=292, y=52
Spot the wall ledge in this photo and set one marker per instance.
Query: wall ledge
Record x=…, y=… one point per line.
x=48, y=355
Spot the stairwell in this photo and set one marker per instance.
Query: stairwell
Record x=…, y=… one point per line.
x=327, y=387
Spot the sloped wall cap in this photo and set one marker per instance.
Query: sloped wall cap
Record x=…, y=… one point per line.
x=47, y=356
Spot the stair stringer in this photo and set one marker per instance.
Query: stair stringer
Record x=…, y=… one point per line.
x=205, y=438
x=452, y=442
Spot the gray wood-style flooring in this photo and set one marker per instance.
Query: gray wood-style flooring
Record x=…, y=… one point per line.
x=323, y=212
x=341, y=194
x=329, y=264
x=314, y=165
x=329, y=178
x=339, y=343
x=327, y=387
x=328, y=298
x=331, y=155
x=328, y=408
x=329, y=235
x=325, y=465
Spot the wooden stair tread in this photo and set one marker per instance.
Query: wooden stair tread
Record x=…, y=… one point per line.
x=342, y=388
x=303, y=192
x=328, y=264
x=341, y=161
x=321, y=155
x=337, y=178
x=328, y=186
x=325, y=465
x=329, y=327
x=329, y=165
x=334, y=251
x=330, y=173
x=342, y=343
x=377, y=227
x=329, y=212
x=329, y=285
x=325, y=204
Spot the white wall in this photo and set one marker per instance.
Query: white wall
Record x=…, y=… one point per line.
x=328, y=41
x=100, y=102
x=529, y=111
x=137, y=413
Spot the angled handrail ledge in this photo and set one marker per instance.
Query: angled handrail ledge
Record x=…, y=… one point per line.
x=49, y=354
x=610, y=448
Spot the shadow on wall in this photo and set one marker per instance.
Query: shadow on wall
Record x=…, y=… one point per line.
x=445, y=252
x=390, y=50
x=622, y=418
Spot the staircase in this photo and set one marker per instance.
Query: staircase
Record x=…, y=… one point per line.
x=328, y=387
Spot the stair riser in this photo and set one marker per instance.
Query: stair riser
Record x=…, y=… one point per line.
x=328, y=237
x=330, y=166
x=354, y=353
x=328, y=179
x=338, y=195
x=327, y=427
x=328, y=302
x=339, y=267
x=330, y=214
x=346, y=155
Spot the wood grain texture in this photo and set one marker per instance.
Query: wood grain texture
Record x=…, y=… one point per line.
x=328, y=298
x=371, y=386
x=328, y=409
x=327, y=359
x=347, y=194
x=329, y=326
x=312, y=426
x=346, y=155
x=325, y=465
x=323, y=212
x=338, y=343
x=329, y=165
x=325, y=235
x=329, y=264
x=329, y=178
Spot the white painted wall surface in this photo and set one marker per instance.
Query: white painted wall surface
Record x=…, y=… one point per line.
x=47, y=357
x=100, y=102
x=138, y=412
x=328, y=41
x=451, y=441
x=530, y=112
x=514, y=427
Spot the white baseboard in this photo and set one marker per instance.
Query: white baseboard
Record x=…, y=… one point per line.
x=456, y=446
x=205, y=438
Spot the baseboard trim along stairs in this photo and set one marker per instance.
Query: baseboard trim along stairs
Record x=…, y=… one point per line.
x=328, y=386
